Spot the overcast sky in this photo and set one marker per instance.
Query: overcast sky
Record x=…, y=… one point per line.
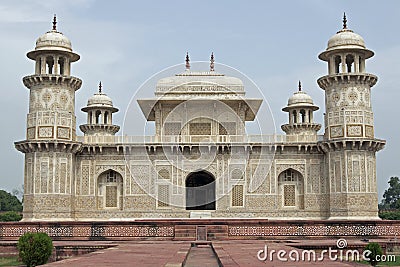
x=123, y=43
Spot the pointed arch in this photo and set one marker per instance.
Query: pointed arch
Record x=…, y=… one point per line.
x=109, y=190
x=291, y=188
x=200, y=191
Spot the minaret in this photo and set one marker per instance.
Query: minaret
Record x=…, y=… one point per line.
x=99, y=111
x=50, y=144
x=301, y=126
x=349, y=142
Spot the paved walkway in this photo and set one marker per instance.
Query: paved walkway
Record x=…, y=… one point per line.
x=201, y=256
x=173, y=253
x=130, y=254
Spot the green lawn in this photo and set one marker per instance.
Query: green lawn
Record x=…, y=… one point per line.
x=10, y=261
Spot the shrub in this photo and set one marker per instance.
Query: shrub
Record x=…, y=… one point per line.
x=375, y=249
x=35, y=248
x=10, y=216
x=9, y=202
x=389, y=215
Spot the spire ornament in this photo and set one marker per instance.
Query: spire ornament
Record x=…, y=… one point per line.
x=55, y=23
x=299, y=86
x=187, y=61
x=100, y=87
x=212, y=62
x=344, y=21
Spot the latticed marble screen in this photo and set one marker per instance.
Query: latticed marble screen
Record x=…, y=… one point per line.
x=237, y=196
x=200, y=128
x=172, y=128
x=111, y=197
x=227, y=128
x=163, y=196
x=289, y=195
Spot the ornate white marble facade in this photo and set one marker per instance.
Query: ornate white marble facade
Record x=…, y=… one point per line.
x=200, y=162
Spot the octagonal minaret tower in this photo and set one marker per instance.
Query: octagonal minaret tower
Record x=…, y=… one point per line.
x=99, y=111
x=301, y=126
x=50, y=144
x=349, y=141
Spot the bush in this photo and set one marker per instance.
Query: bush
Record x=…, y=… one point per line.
x=390, y=215
x=375, y=249
x=35, y=248
x=10, y=216
x=9, y=202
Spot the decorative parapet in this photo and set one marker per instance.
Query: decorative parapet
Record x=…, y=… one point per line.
x=199, y=139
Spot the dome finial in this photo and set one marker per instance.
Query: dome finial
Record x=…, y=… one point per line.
x=212, y=62
x=299, y=86
x=100, y=87
x=344, y=21
x=187, y=61
x=55, y=23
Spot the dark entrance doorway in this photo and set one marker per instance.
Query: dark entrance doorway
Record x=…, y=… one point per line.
x=200, y=191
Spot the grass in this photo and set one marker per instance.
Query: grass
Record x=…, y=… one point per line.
x=10, y=261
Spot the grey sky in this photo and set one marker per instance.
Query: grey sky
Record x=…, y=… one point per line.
x=122, y=43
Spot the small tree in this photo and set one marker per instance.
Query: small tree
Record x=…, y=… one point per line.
x=10, y=216
x=376, y=250
x=35, y=248
x=9, y=202
x=391, y=197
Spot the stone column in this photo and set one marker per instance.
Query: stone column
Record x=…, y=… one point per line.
x=343, y=63
x=56, y=69
x=356, y=63
x=306, y=116
x=43, y=65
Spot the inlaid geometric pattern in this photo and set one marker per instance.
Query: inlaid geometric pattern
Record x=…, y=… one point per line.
x=89, y=231
x=44, y=174
x=336, y=131
x=63, y=132
x=164, y=174
x=354, y=130
x=315, y=230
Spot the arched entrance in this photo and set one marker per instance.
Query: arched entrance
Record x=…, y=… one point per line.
x=200, y=191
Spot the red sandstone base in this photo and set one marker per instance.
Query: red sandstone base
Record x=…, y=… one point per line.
x=202, y=229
